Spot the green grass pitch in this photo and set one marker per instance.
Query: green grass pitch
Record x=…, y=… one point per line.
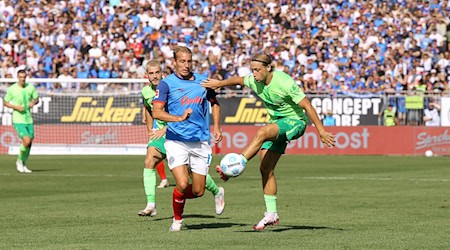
x=324, y=202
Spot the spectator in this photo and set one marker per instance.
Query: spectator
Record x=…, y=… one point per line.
x=391, y=39
x=431, y=116
x=65, y=74
x=389, y=116
x=329, y=120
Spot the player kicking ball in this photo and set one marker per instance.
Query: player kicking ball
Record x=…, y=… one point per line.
x=21, y=97
x=187, y=138
x=287, y=107
x=156, y=151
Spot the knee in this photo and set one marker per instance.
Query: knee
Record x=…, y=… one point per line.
x=149, y=163
x=26, y=143
x=182, y=186
x=265, y=171
x=198, y=192
x=262, y=134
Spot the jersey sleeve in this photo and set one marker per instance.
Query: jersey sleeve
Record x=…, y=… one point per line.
x=211, y=96
x=34, y=94
x=8, y=96
x=249, y=80
x=294, y=92
x=145, y=101
x=162, y=92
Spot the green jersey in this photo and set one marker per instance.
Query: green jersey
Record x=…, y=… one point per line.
x=281, y=96
x=17, y=95
x=147, y=96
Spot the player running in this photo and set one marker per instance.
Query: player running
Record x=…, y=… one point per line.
x=188, y=133
x=156, y=152
x=21, y=97
x=286, y=105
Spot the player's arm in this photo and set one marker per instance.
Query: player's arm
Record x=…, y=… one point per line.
x=160, y=114
x=148, y=118
x=152, y=133
x=159, y=102
x=326, y=137
x=32, y=103
x=215, y=84
x=35, y=97
x=215, y=106
x=8, y=98
x=158, y=133
x=297, y=96
x=12, y=106
x=144, y=116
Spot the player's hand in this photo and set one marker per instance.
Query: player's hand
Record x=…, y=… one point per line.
x=217, y=134
x=210, y=83
x=222, y=176
x=20, y=108
x=328, y=139
x=156, y=134
x=186, y=114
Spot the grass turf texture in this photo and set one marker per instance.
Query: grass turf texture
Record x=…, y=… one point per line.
x=324, y=202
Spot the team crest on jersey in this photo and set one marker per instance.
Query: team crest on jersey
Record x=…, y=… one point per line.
x=157, y=93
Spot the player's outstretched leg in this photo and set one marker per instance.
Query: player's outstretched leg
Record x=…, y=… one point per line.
x=218, y=192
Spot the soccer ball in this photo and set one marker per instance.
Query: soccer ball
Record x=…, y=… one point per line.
x=232, y=165
x=428, y=153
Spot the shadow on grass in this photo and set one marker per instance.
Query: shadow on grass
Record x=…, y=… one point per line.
x=201, y=216
x=282, y=228
x=213, y=226
x=45, y=170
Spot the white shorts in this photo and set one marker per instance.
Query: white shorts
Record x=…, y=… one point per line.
x=197, y=155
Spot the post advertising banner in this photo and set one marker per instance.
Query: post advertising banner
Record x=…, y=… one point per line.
x=360, y=140
x=92, y=110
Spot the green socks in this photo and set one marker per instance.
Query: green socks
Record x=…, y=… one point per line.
x=211, y=185
x=26, y=155
x=22, y=152
x=271, y=203
x=245, y=159
x=150, y=184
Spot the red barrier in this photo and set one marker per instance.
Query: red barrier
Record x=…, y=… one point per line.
x=360, y=140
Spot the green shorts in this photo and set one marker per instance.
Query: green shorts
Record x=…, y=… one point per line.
x=289, y=129
x=158, y=144
x=24, y=130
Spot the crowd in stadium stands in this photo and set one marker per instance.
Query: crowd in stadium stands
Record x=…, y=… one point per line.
x=340, y=45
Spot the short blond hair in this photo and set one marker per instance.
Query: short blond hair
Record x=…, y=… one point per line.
x=152, y=63
x=181, y=49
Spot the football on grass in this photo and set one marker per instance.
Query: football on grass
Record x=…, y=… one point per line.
x=232, y=165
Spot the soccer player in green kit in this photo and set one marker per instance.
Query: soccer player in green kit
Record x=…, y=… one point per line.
x=21, y=97
x=156, y=152
x=286, y=105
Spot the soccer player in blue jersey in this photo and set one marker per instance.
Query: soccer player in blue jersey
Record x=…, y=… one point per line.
x=187, y=136
x=156, y=152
